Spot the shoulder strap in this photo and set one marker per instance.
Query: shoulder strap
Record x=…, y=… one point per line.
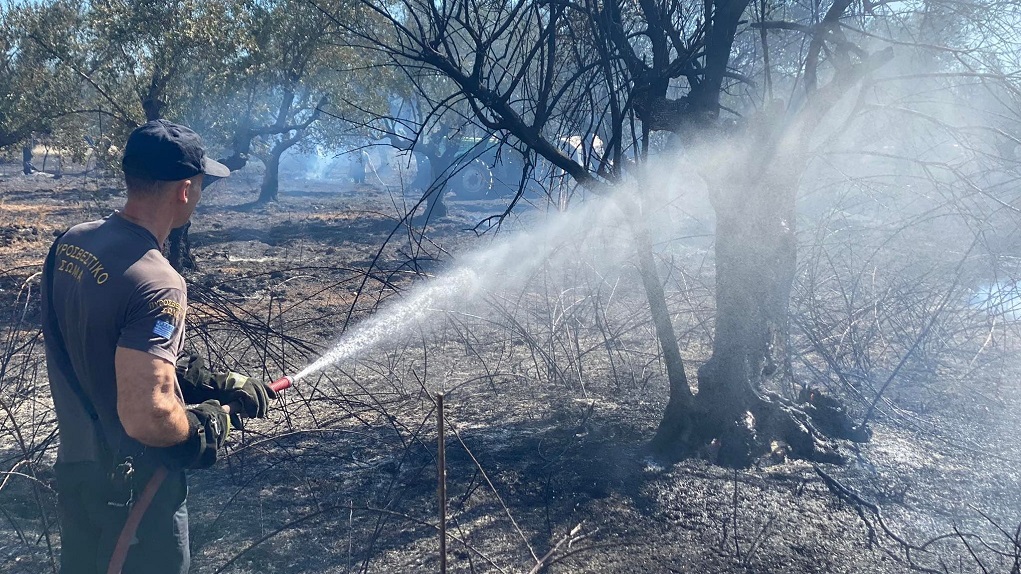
x=64, y=360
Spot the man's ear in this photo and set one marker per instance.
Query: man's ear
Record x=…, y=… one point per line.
x=182, y=190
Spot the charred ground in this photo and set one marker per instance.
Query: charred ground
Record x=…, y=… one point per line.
x=551, y=401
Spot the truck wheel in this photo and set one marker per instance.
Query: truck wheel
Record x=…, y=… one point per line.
x=475, y=180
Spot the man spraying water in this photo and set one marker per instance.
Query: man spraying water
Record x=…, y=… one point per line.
x=114, y=313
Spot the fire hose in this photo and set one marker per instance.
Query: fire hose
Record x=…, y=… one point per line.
x=120, y=551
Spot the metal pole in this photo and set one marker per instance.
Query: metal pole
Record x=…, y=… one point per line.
x=441, y=491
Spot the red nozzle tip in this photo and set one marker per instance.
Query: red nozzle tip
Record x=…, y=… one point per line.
x=282, y=383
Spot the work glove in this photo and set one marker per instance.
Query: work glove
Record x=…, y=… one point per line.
x=208, y=426
x=213, y=428
x=252, y=395
x=196, y=381
x=199, y=384
x=213, y=418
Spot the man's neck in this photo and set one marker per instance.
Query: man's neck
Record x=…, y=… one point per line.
x=150, y=216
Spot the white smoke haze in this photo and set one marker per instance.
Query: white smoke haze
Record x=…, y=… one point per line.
x=900, y=182
x=908, y=285
x=906, y=211
x=907, y=221
x=382, y=165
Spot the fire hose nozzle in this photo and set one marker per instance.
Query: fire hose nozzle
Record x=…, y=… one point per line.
x=282, y=383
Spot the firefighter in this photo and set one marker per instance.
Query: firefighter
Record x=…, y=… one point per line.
x=114, y=312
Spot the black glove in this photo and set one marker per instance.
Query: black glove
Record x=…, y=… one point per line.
x=200, y=384
x=197, y=382
x=208, y=424
x=253, y=396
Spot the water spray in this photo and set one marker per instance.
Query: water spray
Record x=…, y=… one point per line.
x=502, y=265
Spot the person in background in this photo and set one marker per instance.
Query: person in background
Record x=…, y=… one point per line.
x=358, y=168
x=26, y=156
x=126, y=403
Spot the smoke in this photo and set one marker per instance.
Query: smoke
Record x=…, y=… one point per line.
x=901, y=176
x=908, y=200
x=319, y=164
x=375, y=164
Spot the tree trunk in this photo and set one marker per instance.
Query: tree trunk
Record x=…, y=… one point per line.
x=178, y=249
x=152, y=100
x=673, y=437
x=26, y=159
x=271, y=180
x=755, y=264
x=430, y=182
x=435, y=205
x=736, y=414
x=153, y=108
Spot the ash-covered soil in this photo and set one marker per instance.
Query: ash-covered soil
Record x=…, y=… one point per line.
x=549, y=403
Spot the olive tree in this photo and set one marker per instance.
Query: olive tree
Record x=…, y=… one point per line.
x=700, y=71
x=129, y=61
x=37, y=89
x=294, y=84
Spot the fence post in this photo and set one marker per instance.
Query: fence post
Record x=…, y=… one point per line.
x=441, y=490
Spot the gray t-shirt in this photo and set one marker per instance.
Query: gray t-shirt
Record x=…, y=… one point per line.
x=112, y=288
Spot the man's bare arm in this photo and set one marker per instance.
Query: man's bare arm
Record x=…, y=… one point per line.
x=147, y=401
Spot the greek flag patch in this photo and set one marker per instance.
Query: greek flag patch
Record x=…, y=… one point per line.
x=164, y=329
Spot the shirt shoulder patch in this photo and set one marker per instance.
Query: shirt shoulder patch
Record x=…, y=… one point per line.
x=164, y=329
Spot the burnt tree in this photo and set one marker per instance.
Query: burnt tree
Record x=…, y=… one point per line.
x=536, y=71
x=280, y=137
x=756, y=249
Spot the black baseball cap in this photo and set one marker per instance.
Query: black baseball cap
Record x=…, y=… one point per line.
x=165, y=151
